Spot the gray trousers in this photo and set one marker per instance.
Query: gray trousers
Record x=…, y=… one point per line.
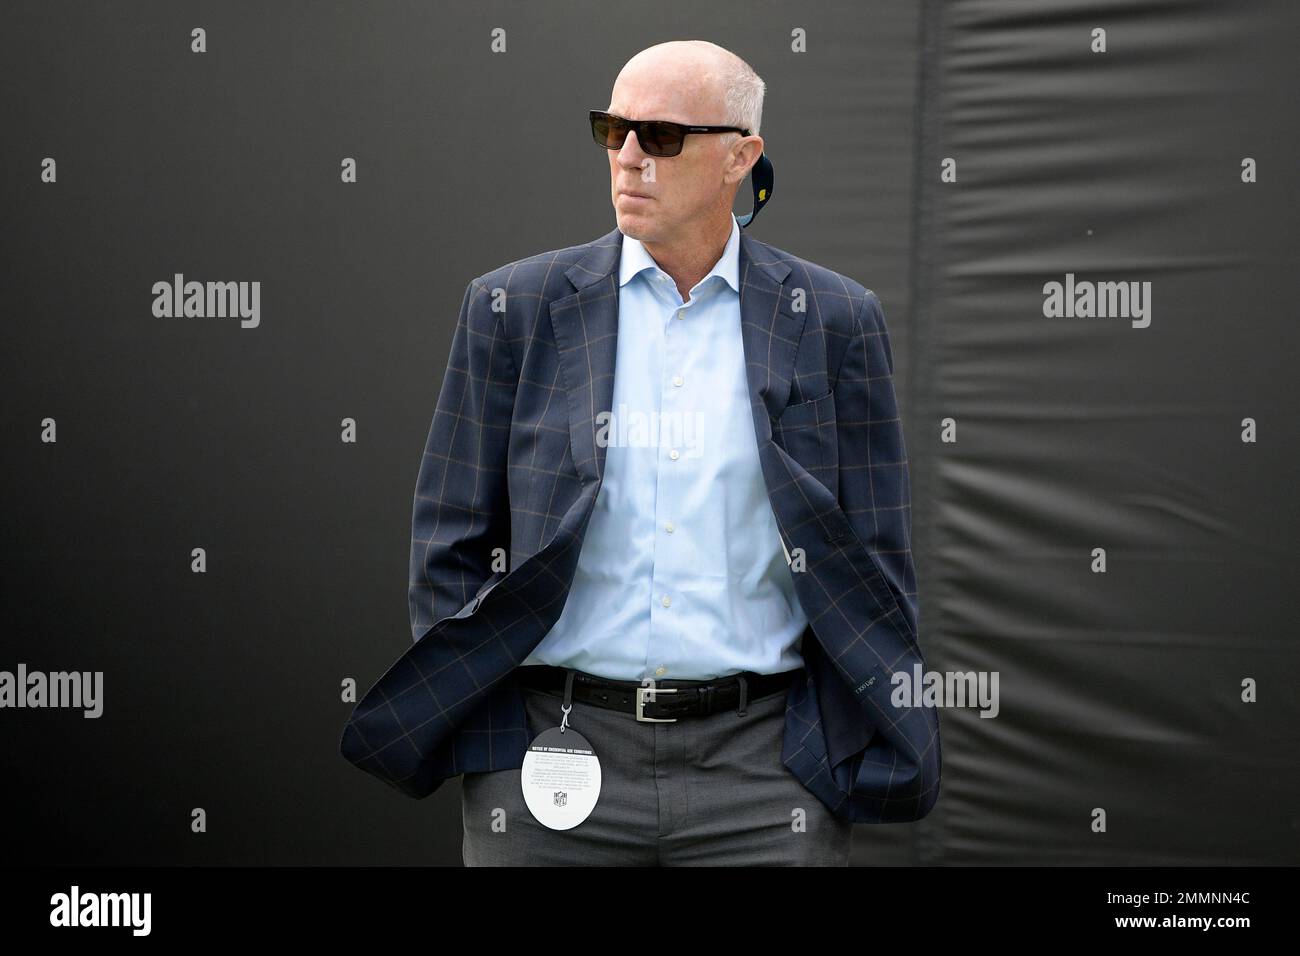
x=703, y=791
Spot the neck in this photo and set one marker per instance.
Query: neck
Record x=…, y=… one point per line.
x=689, y=259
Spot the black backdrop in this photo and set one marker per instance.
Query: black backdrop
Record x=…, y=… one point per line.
x=1119, y=690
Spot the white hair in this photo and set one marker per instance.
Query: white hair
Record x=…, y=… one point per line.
x=743, y=90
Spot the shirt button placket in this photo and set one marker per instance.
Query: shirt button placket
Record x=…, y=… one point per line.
x=665, y=496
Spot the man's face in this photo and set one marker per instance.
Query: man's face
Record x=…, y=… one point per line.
x=659, y=199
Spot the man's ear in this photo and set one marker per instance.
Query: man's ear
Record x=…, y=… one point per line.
x=744, y=152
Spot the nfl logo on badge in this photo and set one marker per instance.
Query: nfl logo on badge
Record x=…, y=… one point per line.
x=561, y=798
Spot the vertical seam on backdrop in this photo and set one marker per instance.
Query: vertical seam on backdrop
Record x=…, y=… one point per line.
x=927, y=838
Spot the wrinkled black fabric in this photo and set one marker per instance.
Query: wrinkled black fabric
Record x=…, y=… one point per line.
x=1119, y=691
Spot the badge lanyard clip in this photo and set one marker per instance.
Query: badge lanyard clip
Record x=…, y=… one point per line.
x=568, y=701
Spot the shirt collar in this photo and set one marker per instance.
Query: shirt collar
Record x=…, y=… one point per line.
x=635, y=259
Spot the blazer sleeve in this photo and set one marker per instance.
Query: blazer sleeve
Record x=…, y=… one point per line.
x=875, y=488
x=461, y=511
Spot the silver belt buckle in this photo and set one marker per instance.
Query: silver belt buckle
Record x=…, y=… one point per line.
x=642, y=693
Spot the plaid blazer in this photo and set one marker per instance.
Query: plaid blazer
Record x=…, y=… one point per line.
x=511, y=468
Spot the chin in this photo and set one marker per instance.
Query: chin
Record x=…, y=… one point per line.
x=635, y=227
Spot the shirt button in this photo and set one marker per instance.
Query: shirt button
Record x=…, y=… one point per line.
x=681, y=313
x=677, y=380
x=669, y=527
x=667, y=601
x=674, y=454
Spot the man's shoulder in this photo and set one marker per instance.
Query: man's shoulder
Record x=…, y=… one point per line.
x=543, y=272
x=833, y=290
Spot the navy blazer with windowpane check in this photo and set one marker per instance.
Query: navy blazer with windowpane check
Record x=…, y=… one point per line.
x=512, y=463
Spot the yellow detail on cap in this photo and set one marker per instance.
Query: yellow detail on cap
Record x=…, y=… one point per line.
x=762, y=194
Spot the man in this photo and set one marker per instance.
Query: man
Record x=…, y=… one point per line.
x=664, y=503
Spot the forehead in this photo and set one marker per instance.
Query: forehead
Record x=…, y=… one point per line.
x=683, y=97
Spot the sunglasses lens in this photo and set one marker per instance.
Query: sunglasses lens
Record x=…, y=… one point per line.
x=661, y=139
x=655, y=139
x=609, y=131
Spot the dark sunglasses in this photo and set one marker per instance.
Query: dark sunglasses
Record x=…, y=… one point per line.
x=656, y=137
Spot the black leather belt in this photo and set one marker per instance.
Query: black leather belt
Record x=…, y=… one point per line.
x=667, y=700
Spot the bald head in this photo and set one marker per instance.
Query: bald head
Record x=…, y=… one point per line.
x=684, y=200
x=712, y=85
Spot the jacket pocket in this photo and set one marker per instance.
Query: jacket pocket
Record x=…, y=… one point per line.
x=496, y=578
x=806, y=432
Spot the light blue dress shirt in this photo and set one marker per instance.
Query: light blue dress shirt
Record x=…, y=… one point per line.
x=682, y=572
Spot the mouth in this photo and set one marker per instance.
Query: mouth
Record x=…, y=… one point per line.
x=631, y=194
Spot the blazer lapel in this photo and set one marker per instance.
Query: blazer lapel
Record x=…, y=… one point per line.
x=770, y=330
x=585, y=326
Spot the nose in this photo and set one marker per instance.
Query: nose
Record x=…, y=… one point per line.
x=630, y=154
